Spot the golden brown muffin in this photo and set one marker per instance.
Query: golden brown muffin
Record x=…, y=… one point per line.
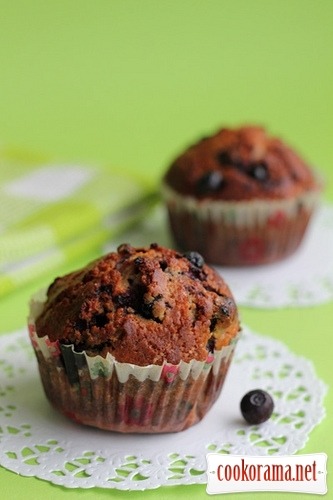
x=240, y=164
x=240, y=197
x=136, y=334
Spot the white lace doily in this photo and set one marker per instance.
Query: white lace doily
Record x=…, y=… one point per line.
x=37, y=441
x=303, y=279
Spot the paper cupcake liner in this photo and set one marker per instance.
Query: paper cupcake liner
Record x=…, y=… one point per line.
x=240, y=232
x=123, y=397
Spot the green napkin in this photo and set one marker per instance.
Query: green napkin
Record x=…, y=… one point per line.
x=52, y=213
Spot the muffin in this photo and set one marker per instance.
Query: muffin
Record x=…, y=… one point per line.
x=240, y=197
x=139, y=340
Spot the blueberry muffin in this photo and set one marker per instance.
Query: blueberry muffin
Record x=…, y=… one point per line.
x=240, y=197
x=139, y=340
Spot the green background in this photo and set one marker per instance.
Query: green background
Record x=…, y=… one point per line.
x=129, y=83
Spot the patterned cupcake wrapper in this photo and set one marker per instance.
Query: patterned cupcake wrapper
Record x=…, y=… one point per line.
x=240, y=233
x=241, y=213
x=104, y=393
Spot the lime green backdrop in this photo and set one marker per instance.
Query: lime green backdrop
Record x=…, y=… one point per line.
x=128, y=83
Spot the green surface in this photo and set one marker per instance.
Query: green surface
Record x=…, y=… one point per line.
x=130, y=82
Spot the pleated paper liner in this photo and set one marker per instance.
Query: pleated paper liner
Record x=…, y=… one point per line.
x=238, y=233
x=123, y=397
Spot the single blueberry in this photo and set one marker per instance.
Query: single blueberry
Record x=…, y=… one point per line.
x=195, y=258
x=210, y=182
x=259, y=172
x=257, y=406
x=225, y=309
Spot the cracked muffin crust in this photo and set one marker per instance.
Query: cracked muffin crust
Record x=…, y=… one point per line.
x=142, y=305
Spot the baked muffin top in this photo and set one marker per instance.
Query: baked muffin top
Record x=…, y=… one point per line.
x=240, y=164
x=142, y=305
